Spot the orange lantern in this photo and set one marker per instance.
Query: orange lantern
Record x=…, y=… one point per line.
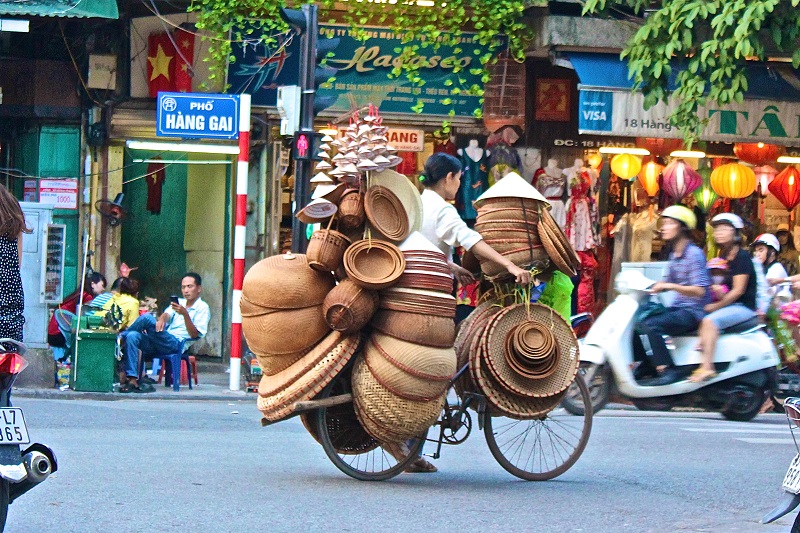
x=757, y=153
x=786, y=187
x=733, y=180
x=596, y=161
x=648, y=177
x=626, y=166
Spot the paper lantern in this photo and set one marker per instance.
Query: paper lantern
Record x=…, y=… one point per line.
x=679, y=179
x=764, y=176
x=786, y=187
x=733, y=180
x=705, y=195
x=757, y=153
x=626, y=166
x=595, y=161
x=648, y=177
x=659, y=147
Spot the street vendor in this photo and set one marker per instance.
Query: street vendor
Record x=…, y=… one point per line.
x=444, y=227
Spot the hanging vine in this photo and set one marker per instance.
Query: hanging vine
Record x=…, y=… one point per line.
x=496, y=23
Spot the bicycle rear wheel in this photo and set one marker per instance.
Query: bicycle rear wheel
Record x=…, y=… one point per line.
x=541, y=449
x=352, y=449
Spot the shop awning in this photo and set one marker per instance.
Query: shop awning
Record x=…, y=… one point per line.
x=608, y=106
x=61, y=8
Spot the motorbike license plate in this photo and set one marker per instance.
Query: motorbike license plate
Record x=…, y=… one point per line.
x=12, y=426
x=791, y=482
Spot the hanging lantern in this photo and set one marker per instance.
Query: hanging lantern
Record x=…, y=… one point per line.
x=757, y=153
x=786, y=187
x=648, y=177
x=659, y=147
x=764, y=176
x=680, y=179
x=705, y=195
x=733, y=180
x=595, y=161
x=626, y=166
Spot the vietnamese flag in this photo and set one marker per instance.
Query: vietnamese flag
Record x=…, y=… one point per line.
x=183, y=64
x=160, y=63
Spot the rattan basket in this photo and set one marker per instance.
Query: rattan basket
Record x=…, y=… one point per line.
x=424, y=330
x=386, y=213
x=286, y=282
x=272, y=364
x=470, y=329
x=351, y=213
x=286, y=331
x=374, y=264
x=326, y=249
x=349, y=307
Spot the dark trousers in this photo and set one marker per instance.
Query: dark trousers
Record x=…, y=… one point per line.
x=673, y=321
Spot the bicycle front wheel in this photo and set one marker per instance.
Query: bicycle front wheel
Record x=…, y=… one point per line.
x=541, y=449
x=351, y=448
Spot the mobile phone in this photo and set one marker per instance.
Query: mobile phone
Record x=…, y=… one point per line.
x=174, y=299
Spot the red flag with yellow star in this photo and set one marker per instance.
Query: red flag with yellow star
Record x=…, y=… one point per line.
x=160, y=63
x=184, y=61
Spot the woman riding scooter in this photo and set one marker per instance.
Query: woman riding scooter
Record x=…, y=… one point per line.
x=688, y=277
x=735, y=306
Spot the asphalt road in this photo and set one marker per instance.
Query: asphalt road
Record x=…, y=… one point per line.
x=144, y=465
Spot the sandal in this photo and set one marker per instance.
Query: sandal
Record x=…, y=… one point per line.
x=701, y=374
x=126, y=388
x=421, y=466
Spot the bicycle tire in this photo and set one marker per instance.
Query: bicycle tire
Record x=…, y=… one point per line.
x=376, y=462
x=507, y=455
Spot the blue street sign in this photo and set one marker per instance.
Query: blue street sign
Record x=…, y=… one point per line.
x=197, y=116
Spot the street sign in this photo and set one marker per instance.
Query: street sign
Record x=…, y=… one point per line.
x=197, y=116
x=62, y=193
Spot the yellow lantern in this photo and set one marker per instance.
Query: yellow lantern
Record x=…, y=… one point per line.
x=626, y=166
x=733, y=180
x=648, y=177
x=595, y=161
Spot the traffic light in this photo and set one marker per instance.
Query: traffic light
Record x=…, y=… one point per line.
x=306, y=145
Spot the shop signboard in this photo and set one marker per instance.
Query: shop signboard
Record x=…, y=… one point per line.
x=30, y=191
x=401, y=139
x=622, y=113
x=197, y=116
x=62, y=193
x=364, y=68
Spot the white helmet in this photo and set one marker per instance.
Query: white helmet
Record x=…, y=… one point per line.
x=768, y=239
x=728, y=218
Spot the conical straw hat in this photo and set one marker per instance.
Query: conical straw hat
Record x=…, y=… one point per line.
x=512, y=185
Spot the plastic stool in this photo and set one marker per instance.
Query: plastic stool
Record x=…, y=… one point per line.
x=192, y=363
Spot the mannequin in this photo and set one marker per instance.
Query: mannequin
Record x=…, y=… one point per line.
x=531, y=162
x=552, y=183
x=577, y=167
x=474, y=179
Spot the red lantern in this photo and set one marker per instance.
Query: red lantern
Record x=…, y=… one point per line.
x=786, y=187
x=659, y=147
x=757, y=153
x=679, y=179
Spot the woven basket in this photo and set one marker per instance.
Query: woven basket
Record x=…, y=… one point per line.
x=346, y=433
x=326, y=249
x=423, y=377
x=285, y=332
x=492, y=214
x=351, y=210
x=536, y=258
x=286, y=282
x=281, y=405
x=525, y=236
x=529, y=204
x=386, y=213
x=556, y=234
x=469, y=329
x=349, y=307
x=424, y=330
x=531, y=351
x=272, y=364
x=396, y=417
x=556, y=253
x=374, y=264
x=421, y=279
x=500, y=225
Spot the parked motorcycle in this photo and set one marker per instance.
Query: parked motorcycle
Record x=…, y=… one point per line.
x=20, y=471
x=745, y=361
x=791, y=481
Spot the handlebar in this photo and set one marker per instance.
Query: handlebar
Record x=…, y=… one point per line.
x=21, y=347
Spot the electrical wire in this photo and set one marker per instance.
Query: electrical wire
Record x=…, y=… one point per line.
x=75, y=65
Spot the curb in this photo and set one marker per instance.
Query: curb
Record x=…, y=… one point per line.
x=54, y=394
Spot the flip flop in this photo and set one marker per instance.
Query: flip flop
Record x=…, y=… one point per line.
x=699, y=375
x=421, y=466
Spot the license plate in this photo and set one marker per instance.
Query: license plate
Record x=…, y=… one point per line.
x=12, y=426
x=791, y=483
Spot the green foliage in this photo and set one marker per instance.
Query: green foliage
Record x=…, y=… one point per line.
x=428, y=26
x=713, y=40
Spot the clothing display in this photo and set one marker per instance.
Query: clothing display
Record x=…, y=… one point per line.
x=644, y=226
x=474, y=181
x=445, y=146
x=12, y=300
x=155, y=185
x=581, y=224
x=588, y=268
x=552, y=183
x=502, y=160
x=409, y=165
x=531, y=162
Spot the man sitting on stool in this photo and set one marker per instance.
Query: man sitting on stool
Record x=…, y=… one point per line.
x=182, y=321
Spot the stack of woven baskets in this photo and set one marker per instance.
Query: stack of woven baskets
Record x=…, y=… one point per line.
x=514, y=219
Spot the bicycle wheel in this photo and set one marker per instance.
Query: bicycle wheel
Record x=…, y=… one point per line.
x=352, y=449
x=538, y=450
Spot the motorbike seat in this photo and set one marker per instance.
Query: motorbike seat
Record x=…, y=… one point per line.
x=741, y=327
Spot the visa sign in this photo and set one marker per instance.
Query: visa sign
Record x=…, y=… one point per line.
x=595, y=111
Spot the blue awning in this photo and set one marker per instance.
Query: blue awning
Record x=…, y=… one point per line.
x=61, y=8
x=765, y=82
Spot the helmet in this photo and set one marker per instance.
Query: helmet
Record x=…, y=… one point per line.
x=681, y=214
x=768, y=239
x=728, y=218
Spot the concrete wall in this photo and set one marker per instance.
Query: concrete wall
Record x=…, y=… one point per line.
x=576, y=33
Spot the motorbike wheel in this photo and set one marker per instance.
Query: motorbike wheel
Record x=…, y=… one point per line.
x=599, y=388
x=745, y=405
x=3, y=504
x=796, y=525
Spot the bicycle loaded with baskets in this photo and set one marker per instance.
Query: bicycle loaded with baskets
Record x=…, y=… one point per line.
x=358, y=337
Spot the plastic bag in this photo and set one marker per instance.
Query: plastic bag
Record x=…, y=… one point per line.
x=558, y=294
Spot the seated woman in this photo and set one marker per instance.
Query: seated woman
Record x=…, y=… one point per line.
x=124, y=295
x=688, y=277
x=60, y=339
x=733, y=307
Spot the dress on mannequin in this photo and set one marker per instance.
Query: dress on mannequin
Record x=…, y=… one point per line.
x=552, y=183
x=531, y=162
x=446, y=146
x=474, y=179
x=408, y=166
x=581, y=228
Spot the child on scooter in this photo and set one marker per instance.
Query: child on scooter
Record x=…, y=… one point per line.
x=720, y=278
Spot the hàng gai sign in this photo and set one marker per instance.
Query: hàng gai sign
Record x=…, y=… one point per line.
x=197, y=116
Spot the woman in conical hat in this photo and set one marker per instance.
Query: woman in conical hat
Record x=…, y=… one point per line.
x=444, y=228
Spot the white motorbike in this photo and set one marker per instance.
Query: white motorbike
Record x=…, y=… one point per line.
x=745, y=362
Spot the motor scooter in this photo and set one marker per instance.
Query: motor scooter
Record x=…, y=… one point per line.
x=791, y=481
x=20, y=471
x=745, y=362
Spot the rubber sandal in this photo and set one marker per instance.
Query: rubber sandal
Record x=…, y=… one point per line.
x=421, y=466
x=126, y=388
x=699, y=375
